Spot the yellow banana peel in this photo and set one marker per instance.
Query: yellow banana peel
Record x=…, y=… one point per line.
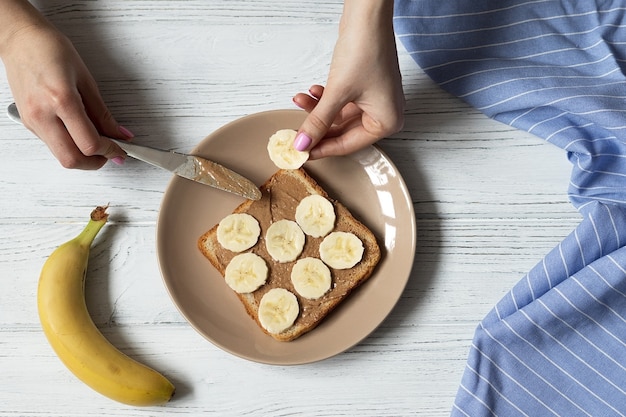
x=75, y=338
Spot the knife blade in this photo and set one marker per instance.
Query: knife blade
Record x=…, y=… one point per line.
x=191, y=167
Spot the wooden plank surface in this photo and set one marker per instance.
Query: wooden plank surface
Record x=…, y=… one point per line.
x=489, y=201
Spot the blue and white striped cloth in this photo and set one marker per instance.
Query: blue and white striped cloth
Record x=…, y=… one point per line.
x=555, y=345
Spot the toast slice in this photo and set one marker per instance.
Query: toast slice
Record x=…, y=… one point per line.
x=281, y=194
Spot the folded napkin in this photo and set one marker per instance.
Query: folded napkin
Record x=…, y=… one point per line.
x=555, y=345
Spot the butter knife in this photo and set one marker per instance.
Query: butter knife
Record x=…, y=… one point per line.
x=191, y=167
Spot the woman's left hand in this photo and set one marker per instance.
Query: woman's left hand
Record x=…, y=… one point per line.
x=363, y=99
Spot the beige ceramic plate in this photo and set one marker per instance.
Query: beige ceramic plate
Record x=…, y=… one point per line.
x=366, y=182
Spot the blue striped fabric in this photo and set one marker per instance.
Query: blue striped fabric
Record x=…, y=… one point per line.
x=555, y=345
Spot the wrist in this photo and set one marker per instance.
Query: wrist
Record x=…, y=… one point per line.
x=15, y=16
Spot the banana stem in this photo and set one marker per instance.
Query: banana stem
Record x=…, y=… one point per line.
x=98, y=218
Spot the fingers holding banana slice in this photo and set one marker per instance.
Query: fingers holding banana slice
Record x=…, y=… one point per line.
x=284, y=240
x=238, y=232
x=246, y=272
x=281, y=151
x=315, y=215
x=311, y=278
x=278, y=310
x=341, y=250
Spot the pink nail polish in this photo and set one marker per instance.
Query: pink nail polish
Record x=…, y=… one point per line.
x=302, y=142
x=119, y=160
x=126, y=132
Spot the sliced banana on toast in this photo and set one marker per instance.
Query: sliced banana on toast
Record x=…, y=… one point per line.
x=311, y=278
x=315, y=215
x=281, y=151
x=246, y=272
x=307, y=245
x=341, y=250
x=238, y=232
x=278, y=310
x=284, y=240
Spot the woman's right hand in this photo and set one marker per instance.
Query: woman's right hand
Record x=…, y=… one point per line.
x=56, y=96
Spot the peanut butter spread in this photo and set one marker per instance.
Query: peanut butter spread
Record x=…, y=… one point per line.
x=280, y=202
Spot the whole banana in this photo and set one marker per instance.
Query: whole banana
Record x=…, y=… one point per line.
x=74, y=336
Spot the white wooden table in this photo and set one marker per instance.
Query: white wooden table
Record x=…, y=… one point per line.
x=490, y=201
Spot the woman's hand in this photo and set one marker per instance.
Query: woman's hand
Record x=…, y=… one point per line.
x=56, y=95
x=363, y=99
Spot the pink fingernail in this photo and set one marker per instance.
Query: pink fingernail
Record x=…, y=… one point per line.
x=126, y=132
x=119, y=160
x=302, y=142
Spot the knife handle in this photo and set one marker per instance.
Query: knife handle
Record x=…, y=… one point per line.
x=161, y=158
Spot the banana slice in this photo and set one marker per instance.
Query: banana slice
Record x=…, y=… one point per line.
x=246, y=272
x=311, y=278
x=315, y=215
x=238, y=232
x=341, y=250
x=281, y=151
x=278, y=310
x=284, y=240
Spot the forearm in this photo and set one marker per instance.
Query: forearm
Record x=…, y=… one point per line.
x=15, y=16
x=367, y=25
x=370, y=14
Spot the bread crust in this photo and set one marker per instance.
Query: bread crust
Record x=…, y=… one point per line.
x=280, y=195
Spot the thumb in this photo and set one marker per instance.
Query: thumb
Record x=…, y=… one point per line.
x=317, y=123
